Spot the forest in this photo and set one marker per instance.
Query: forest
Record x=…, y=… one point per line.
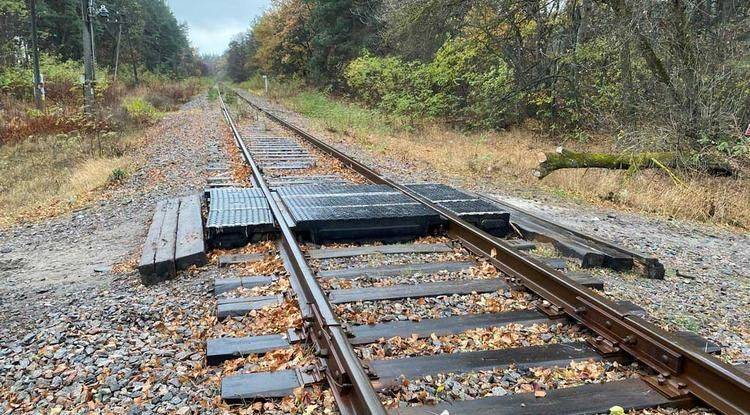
x=135, y=41
x=654, y=75
x=53, y=155
x=151, y=39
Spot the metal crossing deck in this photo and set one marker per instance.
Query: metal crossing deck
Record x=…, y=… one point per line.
x=292, y=180
x=237, y=216
x=279, y=153
x=485, y=215
x=346, y=212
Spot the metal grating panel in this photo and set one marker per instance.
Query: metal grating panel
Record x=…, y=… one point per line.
x=235, y=193
x=439, y=192
x=335, y=189
x=471, y=207
x=368, y=213
x=361, y=212
x=237, y=207
x=235, y=218
x=483, y=214
x=350, y=200
x=280, y=153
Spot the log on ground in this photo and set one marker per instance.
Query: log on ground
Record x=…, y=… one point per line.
x=566, y=159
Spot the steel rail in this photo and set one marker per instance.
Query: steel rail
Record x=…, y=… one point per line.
x=681, y=369
x=346, y=376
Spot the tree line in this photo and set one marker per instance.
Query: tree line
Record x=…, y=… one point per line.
x=657, y=74
x=151, y=38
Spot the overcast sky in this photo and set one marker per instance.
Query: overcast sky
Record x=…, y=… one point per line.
x=213, y=23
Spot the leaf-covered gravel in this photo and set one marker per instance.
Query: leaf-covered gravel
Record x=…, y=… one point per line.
x=447, y=387
x=494, y=338
x=372, y=312
x=378, y=259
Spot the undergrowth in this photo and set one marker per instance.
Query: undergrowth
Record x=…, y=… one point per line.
x=55, y=159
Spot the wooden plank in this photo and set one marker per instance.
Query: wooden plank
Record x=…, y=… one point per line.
x=590, y=257
x=146, y=267
x=223, y=185
x=371, y=333
x=398, y=269
x=616, y=256
x=164, y=265
x=233, y=259
x=379, y=249
x=226, y=348
x=430, y=289
x=549, y=355
x=626, y=308
x=249, y=387
x=590, y=399
x=234, y=300
x=223, y=285
x=190, y=248
x=219, y=179
x=586, y=279
x=241, y=306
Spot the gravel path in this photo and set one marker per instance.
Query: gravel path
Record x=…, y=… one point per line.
x=707, y=288
x=77, y=250
x=82, y=337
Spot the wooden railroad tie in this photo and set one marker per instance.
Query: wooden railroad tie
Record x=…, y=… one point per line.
x=174, y=240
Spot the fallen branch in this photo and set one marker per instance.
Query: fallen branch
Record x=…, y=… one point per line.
x=565, y=159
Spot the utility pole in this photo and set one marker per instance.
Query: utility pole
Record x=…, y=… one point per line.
x=117, y=47
x=89, y=63
x=38, y=91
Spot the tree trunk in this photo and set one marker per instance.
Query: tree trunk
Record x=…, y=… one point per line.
x=627, y=81
x=565, y=159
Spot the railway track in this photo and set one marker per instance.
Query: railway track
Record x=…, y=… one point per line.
x=460, y=321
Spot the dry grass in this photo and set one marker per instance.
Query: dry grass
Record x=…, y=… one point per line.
x=58, y=160
x=44, y=176
x=505, y=160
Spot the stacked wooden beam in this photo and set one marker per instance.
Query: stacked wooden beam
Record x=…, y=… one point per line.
x=174, y=240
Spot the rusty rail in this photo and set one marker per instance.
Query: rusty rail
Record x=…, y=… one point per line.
x=351, y=385
x=680, y=369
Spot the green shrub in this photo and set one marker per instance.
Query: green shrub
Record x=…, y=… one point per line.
x=213, y=94
x=462, y=83
x=141, y=111
x=60, y=77
x=117, y=176
x=278, y=88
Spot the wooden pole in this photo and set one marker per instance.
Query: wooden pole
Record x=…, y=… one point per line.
x=35, y=53
x=117, y=48
x=88, y=58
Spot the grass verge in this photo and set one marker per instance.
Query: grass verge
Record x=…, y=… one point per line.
x=45, y=176
x=505, y=160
